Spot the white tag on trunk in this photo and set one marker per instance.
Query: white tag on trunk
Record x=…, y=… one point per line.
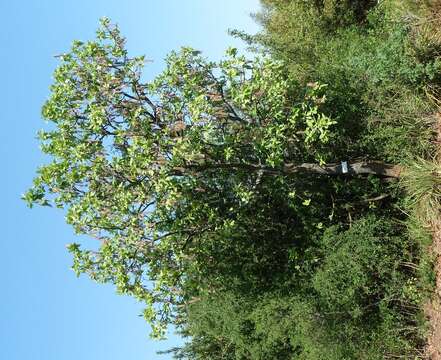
x=344, y=167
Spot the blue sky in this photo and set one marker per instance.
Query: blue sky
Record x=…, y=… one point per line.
x=46, y=312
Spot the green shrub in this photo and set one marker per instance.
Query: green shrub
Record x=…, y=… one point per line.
x=360, y=267
x=273, y=326
x=367, y=286
x=378, y=71
x=354, y=304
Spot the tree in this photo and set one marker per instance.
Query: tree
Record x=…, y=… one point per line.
x=203, y=171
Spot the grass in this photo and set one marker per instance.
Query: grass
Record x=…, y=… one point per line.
x=422, y=181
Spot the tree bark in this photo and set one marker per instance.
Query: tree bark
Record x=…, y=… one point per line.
x=376, y=168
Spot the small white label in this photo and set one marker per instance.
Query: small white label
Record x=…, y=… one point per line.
x=344, y=167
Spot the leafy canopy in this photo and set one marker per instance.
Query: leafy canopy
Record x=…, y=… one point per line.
x=151, y=168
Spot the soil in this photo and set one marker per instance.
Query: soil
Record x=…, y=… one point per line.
x=433, y=307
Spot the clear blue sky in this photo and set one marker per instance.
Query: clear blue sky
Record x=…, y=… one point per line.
x=45, y=311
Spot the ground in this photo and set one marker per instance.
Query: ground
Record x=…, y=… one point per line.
x=433, y=308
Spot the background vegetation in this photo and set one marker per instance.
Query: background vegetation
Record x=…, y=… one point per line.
x=363, y=298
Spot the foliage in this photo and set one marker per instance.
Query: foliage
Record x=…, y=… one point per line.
x=170, y=173
x=360, y=296
x=191, y=182
x=383, y=77
x=378, y=72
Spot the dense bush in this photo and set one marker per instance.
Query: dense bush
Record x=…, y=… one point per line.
x=378, y=72
x=361, y=266
x=353, y=304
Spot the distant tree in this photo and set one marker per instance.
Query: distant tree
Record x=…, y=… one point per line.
x=214, y=174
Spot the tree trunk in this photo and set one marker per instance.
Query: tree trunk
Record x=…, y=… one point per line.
x=376, y=168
